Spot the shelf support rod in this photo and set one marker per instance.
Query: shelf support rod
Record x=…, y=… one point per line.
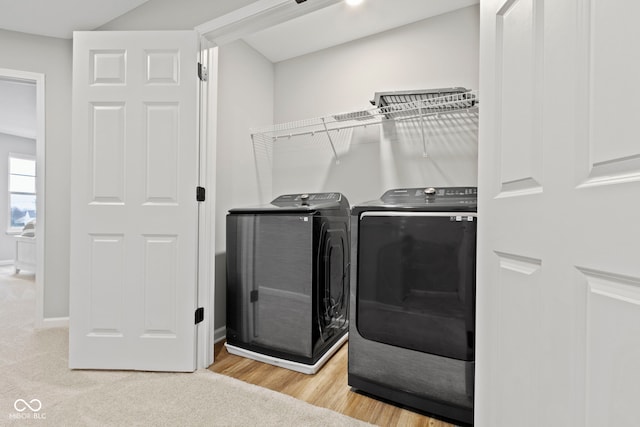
x=424, y=139
x=335, y=154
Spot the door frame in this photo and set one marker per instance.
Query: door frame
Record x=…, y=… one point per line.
x=208, y=113
x=217, y=32
x=39, y=80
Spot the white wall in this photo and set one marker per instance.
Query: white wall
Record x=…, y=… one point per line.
x=15, y=145
x=51, y=57
x=438, y=52
x=245, y=88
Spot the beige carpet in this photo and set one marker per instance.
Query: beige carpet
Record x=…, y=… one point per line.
x=33, y=372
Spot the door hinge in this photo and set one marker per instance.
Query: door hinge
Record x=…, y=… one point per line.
x=253, y=296
x=200, y=194
x=203, y=73
x=199, y=315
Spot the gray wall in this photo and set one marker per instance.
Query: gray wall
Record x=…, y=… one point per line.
x=245, y=88
x=15, y=145
x=441, y=51
x=18, y=108
x=438, y=52
x=52, y=57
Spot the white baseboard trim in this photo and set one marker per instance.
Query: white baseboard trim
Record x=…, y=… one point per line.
x=55, y=322
x=5, y=262
x=219, y=334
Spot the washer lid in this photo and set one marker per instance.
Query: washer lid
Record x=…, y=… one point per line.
x=424, y=199
x=303, y=202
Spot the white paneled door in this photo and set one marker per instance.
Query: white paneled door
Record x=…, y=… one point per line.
x=134, y=224
x=559, y=242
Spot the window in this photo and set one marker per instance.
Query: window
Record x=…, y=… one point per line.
x=22, y=190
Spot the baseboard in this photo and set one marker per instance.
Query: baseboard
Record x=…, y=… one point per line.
x=55, y=322
x=219, y=334
x=5, y=262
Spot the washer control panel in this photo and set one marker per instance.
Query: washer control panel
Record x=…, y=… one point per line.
x=306, y=198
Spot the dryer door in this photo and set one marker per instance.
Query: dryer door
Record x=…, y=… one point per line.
x=416, y=281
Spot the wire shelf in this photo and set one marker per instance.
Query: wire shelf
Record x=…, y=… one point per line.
x=416, y=109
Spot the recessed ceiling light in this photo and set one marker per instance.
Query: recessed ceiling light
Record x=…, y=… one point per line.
x=353, y=2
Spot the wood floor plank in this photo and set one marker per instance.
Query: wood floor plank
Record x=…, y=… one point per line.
x=328, y=388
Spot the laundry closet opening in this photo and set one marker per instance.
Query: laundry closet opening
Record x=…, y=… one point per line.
x=260, y=84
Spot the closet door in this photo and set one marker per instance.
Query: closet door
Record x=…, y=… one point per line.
x=559, y=242
x=134, y=223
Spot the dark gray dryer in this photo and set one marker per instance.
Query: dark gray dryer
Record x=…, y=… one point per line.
x=288, y=280
x=413, y=299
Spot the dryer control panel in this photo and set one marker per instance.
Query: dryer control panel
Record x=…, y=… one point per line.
x=429, y=195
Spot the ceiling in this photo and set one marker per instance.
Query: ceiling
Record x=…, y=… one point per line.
x=340, y=23
x=59, y=18
x=330, y=26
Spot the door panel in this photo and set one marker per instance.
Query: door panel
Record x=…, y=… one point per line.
x=518, y=303
x=134, y=213
x=107, y=285
x=558, y=271
x=107, y=152
x=162, y=144
x=160, y=286
x=610, y=108
x=517, y=91
x=612, y=329
x=613, y=100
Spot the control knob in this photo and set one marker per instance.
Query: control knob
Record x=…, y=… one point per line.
x=304, y=199
x=430, y=191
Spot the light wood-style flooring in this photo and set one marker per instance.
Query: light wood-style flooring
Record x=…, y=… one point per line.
x=328, y=388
